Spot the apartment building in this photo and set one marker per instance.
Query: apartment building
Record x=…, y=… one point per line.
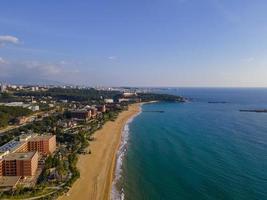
x=44, y=144
x=20, y=164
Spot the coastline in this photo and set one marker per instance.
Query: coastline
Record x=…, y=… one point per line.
x=115, y=193
x=97, y=170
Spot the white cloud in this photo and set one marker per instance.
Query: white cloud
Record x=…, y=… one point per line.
x=2, y=61
x=63, y=62
x=248, y=60
x=112, y=58
x=48, y=69
x=7, y=39
x=27, y=71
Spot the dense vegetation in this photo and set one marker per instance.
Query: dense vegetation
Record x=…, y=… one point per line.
x=8, y=113
x=93, y=95
x=145, y=97
x=46, y=125
x=7, y=97
x=72, y=94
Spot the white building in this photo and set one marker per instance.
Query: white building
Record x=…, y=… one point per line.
x=3, y=88
x=13, y=87
x=123, y=100
x=23, y=105
x=109, y=100
x=129, y=94
x=34, y=108
x=34, y=88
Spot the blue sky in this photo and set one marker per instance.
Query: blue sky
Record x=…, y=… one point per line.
x=135, y=43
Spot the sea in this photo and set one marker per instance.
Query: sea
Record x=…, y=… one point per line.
x=202, y=149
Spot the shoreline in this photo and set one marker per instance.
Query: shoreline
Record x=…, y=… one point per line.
x=115, y=194
x=97, y=170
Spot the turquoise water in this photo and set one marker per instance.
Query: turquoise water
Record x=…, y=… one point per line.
x=198, y=150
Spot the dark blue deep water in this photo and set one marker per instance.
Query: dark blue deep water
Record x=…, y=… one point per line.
x=199, y=150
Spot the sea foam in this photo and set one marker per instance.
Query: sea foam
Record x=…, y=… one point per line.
x=116, y=192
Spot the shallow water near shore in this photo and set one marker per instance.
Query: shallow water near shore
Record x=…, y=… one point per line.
x=198, y=150
x=117, y=192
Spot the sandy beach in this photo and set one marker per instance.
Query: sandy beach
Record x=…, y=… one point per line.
x=97, y=169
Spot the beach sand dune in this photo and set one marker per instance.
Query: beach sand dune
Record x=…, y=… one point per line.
x=97, y=169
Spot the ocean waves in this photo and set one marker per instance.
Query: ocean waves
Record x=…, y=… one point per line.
x=117, y=191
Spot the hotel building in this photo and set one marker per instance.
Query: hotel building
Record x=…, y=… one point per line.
x=1, y=167
x=18, y=156
x=44, y=144
x=80, y=115
x=20, y=164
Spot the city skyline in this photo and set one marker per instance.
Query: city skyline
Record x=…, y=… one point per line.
x=183, y=43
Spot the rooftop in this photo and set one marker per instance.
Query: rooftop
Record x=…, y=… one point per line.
x=2, y=154
x=79, y=111
x=11, y=146
x=20, y=156
x=41, y=137
x=9, y=181
x=25, y=137
x=15, y=104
